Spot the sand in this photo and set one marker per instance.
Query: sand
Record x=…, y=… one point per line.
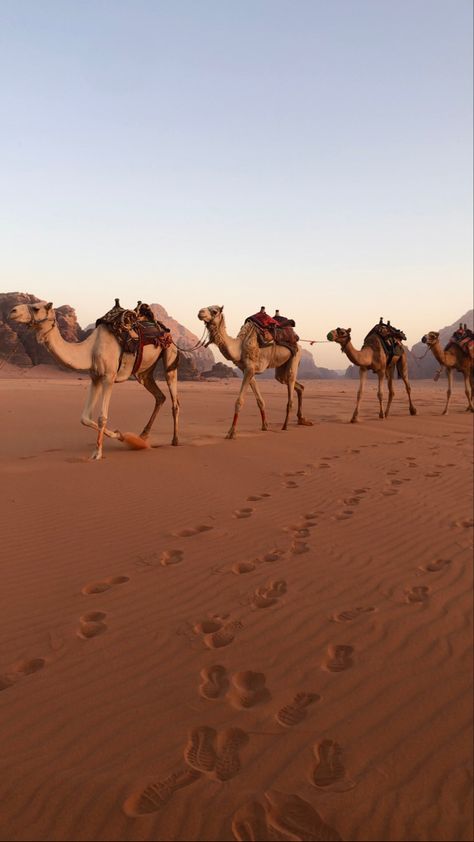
x=267, y=638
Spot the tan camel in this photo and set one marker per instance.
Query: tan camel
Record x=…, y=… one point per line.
x=454, y=359
x=100, y=354
x=373, y=356
x=245, y=352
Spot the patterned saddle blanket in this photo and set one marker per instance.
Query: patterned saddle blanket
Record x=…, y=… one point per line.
x=390, y=337
x=133, y=329
x=464, y=339
x=276, y=330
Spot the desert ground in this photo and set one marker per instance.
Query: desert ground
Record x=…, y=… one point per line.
x=267, y=638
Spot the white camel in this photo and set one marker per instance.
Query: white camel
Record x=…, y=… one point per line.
x=245, y=352
x=101, y=355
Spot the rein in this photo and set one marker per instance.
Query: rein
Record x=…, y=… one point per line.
x=199, y=344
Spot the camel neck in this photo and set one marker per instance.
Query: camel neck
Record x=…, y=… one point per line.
x=75, y=355
x=438, y=352
x=363, y=357
x=229, y=347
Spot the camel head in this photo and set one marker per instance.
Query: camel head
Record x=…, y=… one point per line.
x=430, y=338
x=213, y=318
x=39, y=315
x=341, y=335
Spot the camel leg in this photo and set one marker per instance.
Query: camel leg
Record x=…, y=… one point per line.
x=107, y=385
x=290, y=384
x=299, y=389
x=362, y=379
x=468, y=391
x=93, y=395
x=391, y=390
x=380, y=375
x=403, y=372
x=147, y=380
x=260, y=402
x=172, y=381
x=248, y=375
x=449, y=372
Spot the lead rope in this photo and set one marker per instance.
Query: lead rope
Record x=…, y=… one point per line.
x=199, y=344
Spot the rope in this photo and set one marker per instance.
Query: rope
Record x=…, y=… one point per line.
x=315, y=341
x=199, y=344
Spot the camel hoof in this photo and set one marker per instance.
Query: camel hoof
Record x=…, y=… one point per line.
x=354, y=420
x=174, y=443
x=96, y=456
x=231, y=434
x=264, y=427
x=413, y=411
x=303, y=422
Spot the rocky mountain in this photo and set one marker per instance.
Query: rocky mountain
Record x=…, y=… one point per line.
x=220, y=371
x=18, y=343
x=308, y=369
x=419, y=369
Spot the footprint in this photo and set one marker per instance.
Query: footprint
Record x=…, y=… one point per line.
x=295, y=817
x=248, y=689
x=156, y=795
x=267, y=595
x=249, y=823
x=417, y=594
x=245, y=512
x=29, y=666
x=291, y=484
x=299, y=547
x=351, y=501
x=273, y=555
x=214, y=682
x=199, y=752
x=345, y=515
x=324, y=465
x=188, y=533
x=361, y=490
x=329, y=772
x=433, y=474
x=229, y=744
x=351, y=614
x=169, y=557
x=466, y=523
x=223, y=636
x=255, y=498
x=396, y=481
x=435, y=566
x=91, y=624
x=207, y=626
x=294, y=713
x=339, y=658
x=105, y=585
x=389, y=493
x=243, y=567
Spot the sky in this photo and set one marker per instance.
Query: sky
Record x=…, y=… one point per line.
x=309, y=155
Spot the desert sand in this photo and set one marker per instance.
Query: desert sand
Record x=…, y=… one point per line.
x=266, y=638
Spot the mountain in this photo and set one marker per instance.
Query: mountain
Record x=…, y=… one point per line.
x=18, y=343
x=308, y=370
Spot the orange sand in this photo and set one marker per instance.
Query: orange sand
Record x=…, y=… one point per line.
x=263, y=638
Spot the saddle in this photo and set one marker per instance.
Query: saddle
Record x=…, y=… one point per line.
x=275, y=329
x=463, y=338
x=390, y=337
x=133, y=329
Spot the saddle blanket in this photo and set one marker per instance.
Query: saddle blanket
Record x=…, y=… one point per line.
x=133, y=329
x=278, y=330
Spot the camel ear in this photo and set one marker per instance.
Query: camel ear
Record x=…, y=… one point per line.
x=349, y=329
x=221, y=308
x=48, y=306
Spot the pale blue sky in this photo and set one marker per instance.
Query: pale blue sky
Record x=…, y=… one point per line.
x=312, y=156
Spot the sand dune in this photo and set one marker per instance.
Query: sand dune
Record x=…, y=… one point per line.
x=268, y=638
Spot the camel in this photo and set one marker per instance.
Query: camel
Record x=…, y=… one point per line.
x=245, y=352
x=373, y=356
x=453, y=359
x=101, y=355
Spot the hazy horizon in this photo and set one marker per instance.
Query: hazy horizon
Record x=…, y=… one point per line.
x=310, y=156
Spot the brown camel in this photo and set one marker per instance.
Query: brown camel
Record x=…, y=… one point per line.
x=245, y=353
x=453, y=358
x=374, y=357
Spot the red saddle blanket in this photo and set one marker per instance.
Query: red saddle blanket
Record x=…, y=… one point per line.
x=278, y=330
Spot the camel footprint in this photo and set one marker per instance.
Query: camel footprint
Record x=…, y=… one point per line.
x=104, y=585
x=91, y=624
x=26, y=666
x=436, y=566
x=351, y=614
x=293, y=713
x=243, y=567
x=169, y=557
x=339, y=658
x=417, y=594
x=268, y=595
x=255, y=498
x=194, y=530
x=247, y=511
